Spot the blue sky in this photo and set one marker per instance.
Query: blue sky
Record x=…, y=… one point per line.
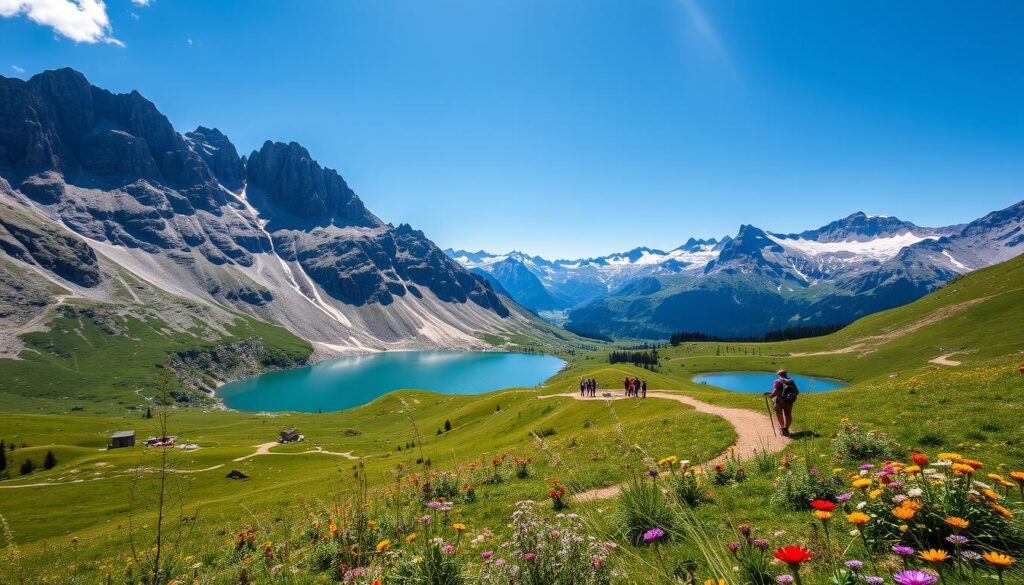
x=579, y=127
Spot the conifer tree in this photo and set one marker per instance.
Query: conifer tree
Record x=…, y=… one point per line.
x=50, y=461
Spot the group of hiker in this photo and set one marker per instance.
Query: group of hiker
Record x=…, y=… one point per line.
x=588, y=387
x=635, y=387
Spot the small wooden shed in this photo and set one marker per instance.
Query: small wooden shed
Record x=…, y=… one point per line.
x=122, y=439
x=290, y=435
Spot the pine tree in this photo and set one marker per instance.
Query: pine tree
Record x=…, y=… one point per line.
x=149, y=413
x=27, y=467
x=50, y=461
x=3, y=456
x=447, y=425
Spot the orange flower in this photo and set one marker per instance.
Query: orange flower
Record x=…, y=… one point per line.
x=858, y=518
x=902, y=513
x=998, y=560
x=1017, y=476
x=912, y=469
x=934, y=555
x=962, y=469
x=919, y=458
x=822, y=515
x=914, y=505
x=973, y=463
x=957, y=522
x=1001, y=510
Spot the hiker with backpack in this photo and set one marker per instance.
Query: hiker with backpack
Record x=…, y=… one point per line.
x=784, y=393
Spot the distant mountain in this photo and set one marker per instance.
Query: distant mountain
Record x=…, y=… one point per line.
x=759, y=280
x=571, y=283
x=96, y=187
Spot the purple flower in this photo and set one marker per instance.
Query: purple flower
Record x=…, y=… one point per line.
x=653, y=534
x=759, y=543
x=425, y=519
x=854, y=564
x=867, y=466
x=872, y=580
x=844, y=497
x=734, y=546
x=814, y=471
x=970, y=556
x=914, y=578
x=530, y=556
x=448, y=549
x=499, y=562
x=956, y=539
x=652, y=473
x=903, y=551
x=895, y=485
x=433, y=505
x=784, y=579
x=487, y=554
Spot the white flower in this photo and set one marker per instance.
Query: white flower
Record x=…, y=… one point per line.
x=914, y=492
x=860, y=505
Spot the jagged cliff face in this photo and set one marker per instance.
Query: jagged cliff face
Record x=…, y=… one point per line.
x=275, y=235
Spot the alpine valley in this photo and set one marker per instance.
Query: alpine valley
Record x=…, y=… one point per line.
x=112, y=223
x=755, y=281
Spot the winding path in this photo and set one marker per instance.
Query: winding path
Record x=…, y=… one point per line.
x=264, y=449
x=943, y=360
x=754, y=432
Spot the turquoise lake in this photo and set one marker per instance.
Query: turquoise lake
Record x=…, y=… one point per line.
x=760, y=382
x=351, y=381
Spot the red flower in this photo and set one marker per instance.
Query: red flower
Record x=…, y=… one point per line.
x=919, y=458
x=824, y=505
x=793, y=555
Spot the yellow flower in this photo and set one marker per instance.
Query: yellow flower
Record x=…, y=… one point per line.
x=862, y=483
x=998, y=560
x=410, y=537
x=822, y=515
x=902, y=513
x=371, y=523
x=996, y=477
x=949, y=457
x=962, y=469
x=973, y=463
x=858, y=518
x=874, y=494
x=957, y=522
x=383, y=545
x=712, y=582
x=912, y=468
x=459, y=527
x=989, y=494
x=904, y=528
x=1017, y=476
x=933, y=555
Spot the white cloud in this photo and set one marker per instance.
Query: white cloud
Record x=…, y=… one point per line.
x=83, y=21
x=18, y=69
x=141, y=2
x=189, y=41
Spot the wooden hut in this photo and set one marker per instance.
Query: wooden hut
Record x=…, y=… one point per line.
x=122, y=439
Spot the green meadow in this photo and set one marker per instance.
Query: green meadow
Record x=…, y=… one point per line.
x=93, y=516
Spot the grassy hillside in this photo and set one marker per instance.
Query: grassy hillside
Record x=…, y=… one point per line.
x=105, y=497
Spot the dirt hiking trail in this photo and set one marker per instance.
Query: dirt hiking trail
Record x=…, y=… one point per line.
x=754, y=432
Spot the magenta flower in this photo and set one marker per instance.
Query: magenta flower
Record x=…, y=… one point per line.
x=903, y=551
x=486, y=554
x=653, y=534
x=784, y=579
x=530, y=556
x=914, y=578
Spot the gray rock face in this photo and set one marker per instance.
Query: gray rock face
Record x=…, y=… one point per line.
x=45, y=245
x=290, y=180
x=219, y=154
x=112, y=169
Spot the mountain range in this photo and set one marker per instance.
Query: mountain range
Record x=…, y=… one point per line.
x=103, y=202
x=757, y=280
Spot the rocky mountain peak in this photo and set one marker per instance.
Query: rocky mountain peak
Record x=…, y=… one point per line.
x=859, y=227
x=219, y=154
x=287, y=178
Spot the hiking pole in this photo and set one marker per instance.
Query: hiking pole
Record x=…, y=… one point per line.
x=770, y=419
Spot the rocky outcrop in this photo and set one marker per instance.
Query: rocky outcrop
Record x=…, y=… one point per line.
x=285, y=177
x=203, y=370
x=34, y=242
x=219, y=155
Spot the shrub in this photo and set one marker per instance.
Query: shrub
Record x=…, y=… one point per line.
x=686, y=487
x=50, y=461
x=764, y=461
x=547, y=551
x=855, y=444
x=798, y=485
x=643, y=507
x=436, y=565
x=545, y=432
x=27, y=467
